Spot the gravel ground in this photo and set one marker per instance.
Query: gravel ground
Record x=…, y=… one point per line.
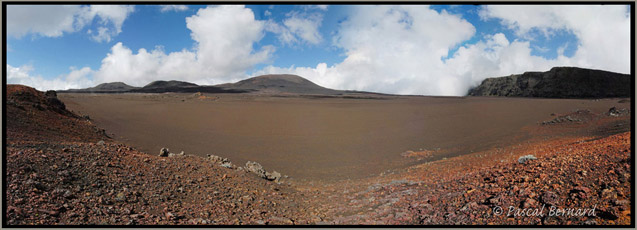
x=63, y=170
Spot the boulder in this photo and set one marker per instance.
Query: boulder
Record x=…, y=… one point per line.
x=275, y=176
x=255, y=168
x=524, y=159
x=164, y=152
x=217, y=159
x=615, y=112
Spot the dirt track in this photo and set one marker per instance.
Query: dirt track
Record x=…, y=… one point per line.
x=329, y=138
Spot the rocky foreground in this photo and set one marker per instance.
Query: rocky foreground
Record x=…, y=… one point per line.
x=62, y=170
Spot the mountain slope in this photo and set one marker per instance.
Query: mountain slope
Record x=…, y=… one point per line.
x=168, y=84
x=112, y=87
x=280, y=83
x=559, y=82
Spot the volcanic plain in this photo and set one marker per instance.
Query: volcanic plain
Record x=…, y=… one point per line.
x=175, y=153
x=328, y=138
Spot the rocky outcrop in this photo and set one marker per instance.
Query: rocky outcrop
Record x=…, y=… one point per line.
x=258, y=170
x=222, y=161
x=559, y=82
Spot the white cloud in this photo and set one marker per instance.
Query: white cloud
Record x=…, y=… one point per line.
x=392, y=49
x=298, y=28
x=77, y=78
x=55, y=20
x=541, y=49
x=403, y=49
x=305, y=28
x=495, y=56
x=166, y=8
x=46, y=20
x=603, y=31
x=111, y=19
x=315, y=7
x=224, y=37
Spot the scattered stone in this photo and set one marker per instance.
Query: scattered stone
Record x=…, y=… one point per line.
x=275, y=176
x=38, y=185
x=621, y=202
x=255, y=168
x=550, y=198
x=580, y=192
x=226, y=165
x=120, y=197
x=164, y=152
x=217, y=159
x=524, y=159
x=280, y=221
x=615, y=112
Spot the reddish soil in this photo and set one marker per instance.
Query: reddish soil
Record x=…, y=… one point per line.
x=59, y=172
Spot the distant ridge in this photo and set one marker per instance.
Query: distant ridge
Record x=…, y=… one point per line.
x=283, y=85
x=168, y=84
x=280, y=83
x=265, y=84
x=559, y=82
x=112, y=87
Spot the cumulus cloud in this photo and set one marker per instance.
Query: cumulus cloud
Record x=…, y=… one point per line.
x=55, y=20
x=224, y=37
x=77, y=78
x=318, y=7
x=45, y=20
x=167, y=8
x=389, y=49
x=494, y=56
x=299, y=27
x=603, y=31
x=111, y=19
x=395, y=49
x=305, y=28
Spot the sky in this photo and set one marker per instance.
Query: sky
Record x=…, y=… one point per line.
x=398, y=49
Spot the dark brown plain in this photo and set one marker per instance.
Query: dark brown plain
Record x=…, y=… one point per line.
x=324, y=138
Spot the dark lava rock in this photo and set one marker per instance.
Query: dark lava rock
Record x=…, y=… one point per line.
x=559, y=82
x=164, y=152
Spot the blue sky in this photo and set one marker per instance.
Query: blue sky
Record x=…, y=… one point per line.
x=428, y=50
